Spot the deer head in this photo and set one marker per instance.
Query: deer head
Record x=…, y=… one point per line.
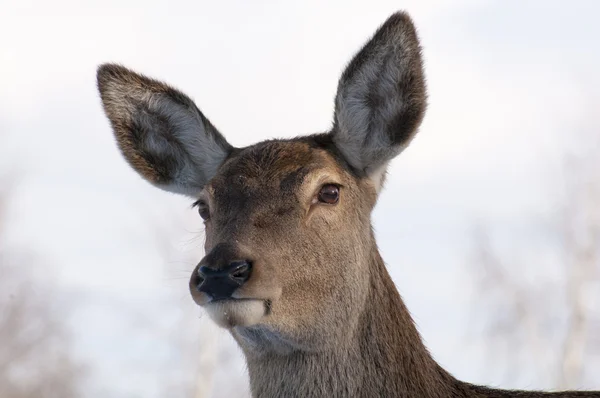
x=288, y=229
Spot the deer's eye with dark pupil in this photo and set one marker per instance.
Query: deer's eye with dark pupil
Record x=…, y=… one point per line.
x=203, y=211
x=329, y=194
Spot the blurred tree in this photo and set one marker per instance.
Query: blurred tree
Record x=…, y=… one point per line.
x=206, y=362
x=580, y=231
x=35, y=356
x=545, y=315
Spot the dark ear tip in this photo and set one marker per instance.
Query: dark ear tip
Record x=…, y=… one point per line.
x=398, y=19
x=111, y=72
x=105, y=73
x=399, y=25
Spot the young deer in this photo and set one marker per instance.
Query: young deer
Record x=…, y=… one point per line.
x=292, y=268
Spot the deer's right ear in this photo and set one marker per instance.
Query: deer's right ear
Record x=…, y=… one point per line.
x=160, y=131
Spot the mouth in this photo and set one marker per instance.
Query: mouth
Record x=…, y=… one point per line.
x=231, y=312
x=229, y=300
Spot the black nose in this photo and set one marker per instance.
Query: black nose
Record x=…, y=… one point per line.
x=221, y=283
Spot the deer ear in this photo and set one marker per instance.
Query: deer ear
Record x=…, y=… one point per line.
x=381, y=98
x=160, y=131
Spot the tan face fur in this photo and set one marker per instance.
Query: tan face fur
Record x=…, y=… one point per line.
x=309, y=258
x=306, y=255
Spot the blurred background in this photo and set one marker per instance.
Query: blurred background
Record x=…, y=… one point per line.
x=489, y=223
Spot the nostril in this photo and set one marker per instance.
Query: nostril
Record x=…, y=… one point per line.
x=201, y=274
x=198, y=277
x=240, y=271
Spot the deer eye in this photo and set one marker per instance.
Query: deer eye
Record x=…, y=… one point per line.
x=329, y=194
x=203, y=210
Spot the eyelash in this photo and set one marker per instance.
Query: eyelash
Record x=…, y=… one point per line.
x=202, y=205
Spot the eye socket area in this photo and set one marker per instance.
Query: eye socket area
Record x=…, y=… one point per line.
x=203, y=209
x=328, y=194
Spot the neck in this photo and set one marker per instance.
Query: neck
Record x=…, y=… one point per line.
x=385, y=357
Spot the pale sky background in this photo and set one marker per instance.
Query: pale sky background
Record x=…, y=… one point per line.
x=510, y=84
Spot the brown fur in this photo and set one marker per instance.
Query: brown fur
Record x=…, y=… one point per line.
x=319, y=315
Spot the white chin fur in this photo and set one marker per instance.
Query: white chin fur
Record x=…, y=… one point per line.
x=230, y=313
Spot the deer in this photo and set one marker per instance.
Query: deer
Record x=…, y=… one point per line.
x=291, y=266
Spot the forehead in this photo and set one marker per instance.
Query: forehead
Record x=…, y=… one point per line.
x=286, y=163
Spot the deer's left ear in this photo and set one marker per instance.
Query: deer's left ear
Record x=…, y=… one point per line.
x=381, y=98
x=160, y=131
